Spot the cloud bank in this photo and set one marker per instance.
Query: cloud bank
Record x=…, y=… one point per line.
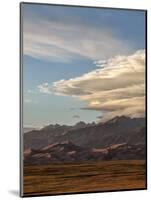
x=117, y=88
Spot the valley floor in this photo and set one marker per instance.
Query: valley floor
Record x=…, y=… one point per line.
x=84, y=177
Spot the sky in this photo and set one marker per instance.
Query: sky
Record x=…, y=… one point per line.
x=82, y=64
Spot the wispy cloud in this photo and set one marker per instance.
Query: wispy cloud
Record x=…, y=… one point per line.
x=76, y=116
x=116, y=89
x=65, y=41
x=45, y=88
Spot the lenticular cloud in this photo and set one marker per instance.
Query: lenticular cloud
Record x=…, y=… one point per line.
x=116, y=89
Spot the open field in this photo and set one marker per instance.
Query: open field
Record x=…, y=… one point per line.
x=84, y=177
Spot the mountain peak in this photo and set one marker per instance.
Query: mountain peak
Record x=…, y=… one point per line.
x=80, y=124
x=118, y=119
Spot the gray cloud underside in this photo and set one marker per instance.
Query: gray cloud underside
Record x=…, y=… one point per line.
x=60, y=41
x=116, y=89
x=76, y=116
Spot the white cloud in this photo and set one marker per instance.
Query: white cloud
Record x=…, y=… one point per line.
x=116, y=89
x=63, y=42
x=44, y=88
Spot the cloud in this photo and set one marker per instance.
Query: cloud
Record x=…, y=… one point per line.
x=45, y=88
x=116, y=89
x=65, y=41
x=76, y=116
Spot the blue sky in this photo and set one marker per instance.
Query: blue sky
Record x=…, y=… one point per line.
x=61, y=43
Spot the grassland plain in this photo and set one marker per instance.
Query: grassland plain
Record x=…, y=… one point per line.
x=84, y=177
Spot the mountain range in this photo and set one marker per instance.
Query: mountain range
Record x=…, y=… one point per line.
x=119, y=138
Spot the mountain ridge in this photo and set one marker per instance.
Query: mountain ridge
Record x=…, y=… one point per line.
x=118, y=138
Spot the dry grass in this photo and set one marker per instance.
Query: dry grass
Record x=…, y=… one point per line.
x=84, y=177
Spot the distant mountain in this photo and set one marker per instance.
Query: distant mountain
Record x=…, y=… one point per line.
x=39, y=138
x=119, y=138
x=49, y=134
x=118, y=130
x=28, y=129
x=82, y=124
